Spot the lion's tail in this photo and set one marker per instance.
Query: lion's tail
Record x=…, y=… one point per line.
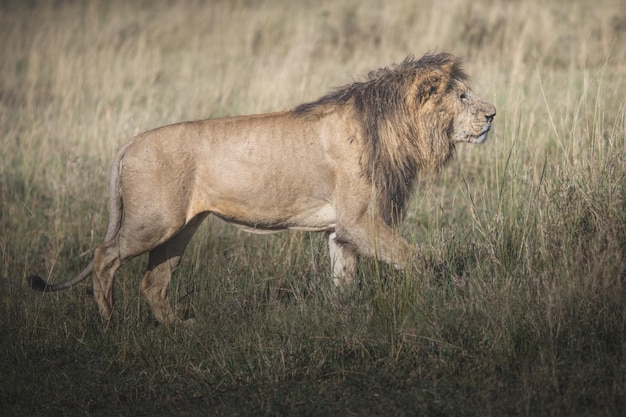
x=115, y=221
x=37, y=283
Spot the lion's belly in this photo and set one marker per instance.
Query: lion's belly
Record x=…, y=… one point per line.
x=320, y=220
x=253, y=220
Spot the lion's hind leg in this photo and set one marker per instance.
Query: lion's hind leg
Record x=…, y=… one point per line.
x=162, y=262
x=343, y=261
x=106, y=263
x=108, y=257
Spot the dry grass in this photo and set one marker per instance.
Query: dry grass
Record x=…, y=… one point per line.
x=519, y=307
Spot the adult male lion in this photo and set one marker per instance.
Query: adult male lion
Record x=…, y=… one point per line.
x=345, y=164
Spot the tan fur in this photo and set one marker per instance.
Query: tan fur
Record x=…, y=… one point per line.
x=345, y=164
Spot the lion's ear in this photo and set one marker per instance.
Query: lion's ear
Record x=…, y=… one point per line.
x=449, y=67
x=434, y=83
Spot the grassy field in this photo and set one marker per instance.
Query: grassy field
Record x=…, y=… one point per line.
x=519, y=305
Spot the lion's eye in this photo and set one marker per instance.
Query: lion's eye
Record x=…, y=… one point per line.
x=463, y=97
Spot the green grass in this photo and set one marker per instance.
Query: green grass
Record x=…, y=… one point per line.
x=518, y=303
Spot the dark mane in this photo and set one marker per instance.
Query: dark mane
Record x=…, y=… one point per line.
x=383, y=81
x=395, y=146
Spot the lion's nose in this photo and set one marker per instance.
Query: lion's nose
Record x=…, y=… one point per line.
x=490, y=117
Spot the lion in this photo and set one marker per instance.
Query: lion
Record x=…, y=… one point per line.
x=345, y=165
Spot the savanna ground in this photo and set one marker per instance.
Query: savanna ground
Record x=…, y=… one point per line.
x=518, y=306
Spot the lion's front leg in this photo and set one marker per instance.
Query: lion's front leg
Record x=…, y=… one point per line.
x=373, y=237
x=343, y=261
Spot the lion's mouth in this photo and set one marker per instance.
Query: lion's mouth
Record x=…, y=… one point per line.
x=482, y=136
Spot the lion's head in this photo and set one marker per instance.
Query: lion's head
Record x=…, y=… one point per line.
x=443, y=89
x=473, y=116
x=411, y=116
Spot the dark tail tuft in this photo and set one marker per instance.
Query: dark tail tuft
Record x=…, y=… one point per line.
x=36, y=283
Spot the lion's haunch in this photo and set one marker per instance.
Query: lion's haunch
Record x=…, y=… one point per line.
x=345, y=165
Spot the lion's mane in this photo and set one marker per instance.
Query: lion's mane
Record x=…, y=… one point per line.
x=403, y=134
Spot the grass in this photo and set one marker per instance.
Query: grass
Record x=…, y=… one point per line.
x=517, y=308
